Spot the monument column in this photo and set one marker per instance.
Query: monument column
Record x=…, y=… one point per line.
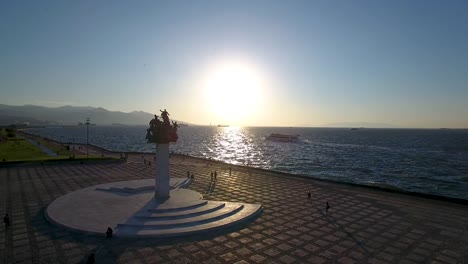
x=162, y=171
x=162, y=133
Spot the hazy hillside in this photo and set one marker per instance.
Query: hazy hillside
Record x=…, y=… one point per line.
x=69, y=115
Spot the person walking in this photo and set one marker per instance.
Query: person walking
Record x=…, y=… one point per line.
x=6, y=220
x=309, y=194
x=327, y=207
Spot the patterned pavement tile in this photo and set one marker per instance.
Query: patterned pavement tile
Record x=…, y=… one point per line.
x=363, y=225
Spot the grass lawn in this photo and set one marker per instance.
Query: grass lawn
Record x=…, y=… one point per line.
x=20, y=149
x=14, y=149
x=23, y=151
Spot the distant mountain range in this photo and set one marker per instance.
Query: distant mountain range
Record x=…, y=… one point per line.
x=69, y=115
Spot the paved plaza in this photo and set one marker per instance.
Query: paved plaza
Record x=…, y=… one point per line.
x=362, y=226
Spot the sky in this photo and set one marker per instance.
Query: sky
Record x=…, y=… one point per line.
x=243, y=62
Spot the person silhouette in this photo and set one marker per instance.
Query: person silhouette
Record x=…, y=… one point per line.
x=6, y=220
x=327, y=207
x=109, y=232
x=165, y=117
x=91, y=259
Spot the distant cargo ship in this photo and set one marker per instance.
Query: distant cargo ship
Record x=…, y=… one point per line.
x=283, y=137
x=223, y=125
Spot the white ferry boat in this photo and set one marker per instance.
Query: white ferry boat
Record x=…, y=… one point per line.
x=283, y=137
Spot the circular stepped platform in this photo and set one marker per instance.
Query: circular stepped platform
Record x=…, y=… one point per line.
x=130, y=209
x=177, y=214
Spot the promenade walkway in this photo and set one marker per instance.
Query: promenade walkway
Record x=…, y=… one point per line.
x=44, y=149
x=362, y=226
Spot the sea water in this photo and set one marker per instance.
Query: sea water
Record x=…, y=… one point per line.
x=431, y=161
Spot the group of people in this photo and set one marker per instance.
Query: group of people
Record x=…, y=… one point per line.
x=327, y=205
x=124, y=156
x=147, y=161
x=214, y=175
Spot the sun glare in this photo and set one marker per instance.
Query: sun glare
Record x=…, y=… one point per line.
x=233, y=90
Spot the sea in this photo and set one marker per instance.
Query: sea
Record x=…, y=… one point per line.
x=428, y=161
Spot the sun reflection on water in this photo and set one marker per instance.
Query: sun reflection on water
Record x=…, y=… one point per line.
x=235, y=145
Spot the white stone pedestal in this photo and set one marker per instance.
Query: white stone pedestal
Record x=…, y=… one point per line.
x=162, y=171
x=130, y=209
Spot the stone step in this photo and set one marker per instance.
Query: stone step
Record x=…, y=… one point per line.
x=127, y=189
x=208, y=208
x=249, y=211
x=170, y=208
x=192, y=221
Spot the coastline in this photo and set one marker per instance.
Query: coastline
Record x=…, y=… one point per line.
x=434, y=164
x=113, y=154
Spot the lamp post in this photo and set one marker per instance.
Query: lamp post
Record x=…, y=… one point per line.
x=87, y=138
x=72, y=147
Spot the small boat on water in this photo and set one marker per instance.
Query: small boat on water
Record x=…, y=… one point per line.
x=283, y=137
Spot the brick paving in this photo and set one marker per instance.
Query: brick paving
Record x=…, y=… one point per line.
x=363, y=225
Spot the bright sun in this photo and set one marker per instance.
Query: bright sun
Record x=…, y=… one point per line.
x=233, y=91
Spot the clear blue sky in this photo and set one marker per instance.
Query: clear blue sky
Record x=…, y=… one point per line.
x=403, y=63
